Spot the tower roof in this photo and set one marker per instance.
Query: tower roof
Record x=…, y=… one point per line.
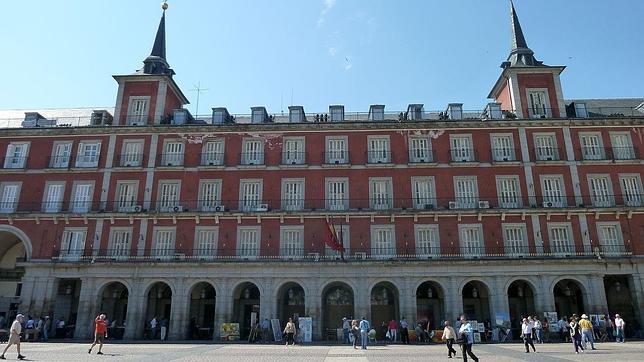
x=520, y=55
x=156, y=63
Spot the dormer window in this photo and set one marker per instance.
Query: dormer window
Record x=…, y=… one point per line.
x=493, y=111
x=337, y=113
x=182, y=116
x=220, y=115
x=296, y=114
x=377, y=112
x=580, y=110
x=258, y=115
x=455, y=110
x=539, y=106
x=138, y=110
x=415, y=112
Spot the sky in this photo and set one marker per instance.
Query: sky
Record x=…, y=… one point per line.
x=243, y=53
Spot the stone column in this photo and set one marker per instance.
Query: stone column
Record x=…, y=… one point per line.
x=223, y=305
x=136, y=305
x=267, y=299
x=636, y=288
x=86, y=302
x=544, y=297
x=313, y=307
x=595, y=299
x=499, y=298
x=362, y=299
x=407, y=300
x=178, y=323
x=453, y=299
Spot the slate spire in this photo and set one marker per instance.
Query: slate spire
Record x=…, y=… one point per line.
x=156, y=63
x=521, y=54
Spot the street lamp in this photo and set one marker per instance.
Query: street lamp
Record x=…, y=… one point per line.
x=475, y=293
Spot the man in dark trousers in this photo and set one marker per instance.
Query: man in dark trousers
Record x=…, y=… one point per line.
x=404, y=331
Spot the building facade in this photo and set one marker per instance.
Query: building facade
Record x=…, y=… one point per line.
x=532, y=205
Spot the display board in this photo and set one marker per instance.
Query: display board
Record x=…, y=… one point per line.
x=306, y=329
x=277, y=329
x=553, y=322
x=229, y=332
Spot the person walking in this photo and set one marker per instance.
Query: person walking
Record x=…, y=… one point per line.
x=364, y=330
x=449, y=336
x=404, y=331
x=46, y=329
x=164, y=328
x=608, y=323
x=586, y=332
x=393, y=328
x=265, y=324
x=538, y=327
x=345, y=330
x=619, y=329
x=100, y=333
x=575, y=334
x=466, y=336
x=526, y=334
x=153, y=327
x=290, y=331
x=14, y=336
x=563, y=329
x=355, y=333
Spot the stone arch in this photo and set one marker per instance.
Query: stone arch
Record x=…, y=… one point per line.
x=338, y=301
x=385, y=305
x=26, y=242
x=570, y=295
x=521, y=296
x=291, y=301
x=476, y=296
x=202, y=298
x=158, y=294
x=430, y=306
x=113, y=300
x=246, y=301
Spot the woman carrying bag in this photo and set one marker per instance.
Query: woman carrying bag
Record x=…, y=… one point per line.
x=290, y=331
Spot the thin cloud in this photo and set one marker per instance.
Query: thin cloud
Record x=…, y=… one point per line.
x=347, y=64
x=328, y=5
x=333, y=51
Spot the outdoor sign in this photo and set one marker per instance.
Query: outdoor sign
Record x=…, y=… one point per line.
x=277, y=330
x=553, y=322
x=502, y=319
x=306, y=329
x=229, y=332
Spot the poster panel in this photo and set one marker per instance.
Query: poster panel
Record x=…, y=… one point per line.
x=277, y=329
x=229, y=332
x=553, y=322
x=306, y=329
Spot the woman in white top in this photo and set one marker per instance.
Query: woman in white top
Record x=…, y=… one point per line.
x=526, y=333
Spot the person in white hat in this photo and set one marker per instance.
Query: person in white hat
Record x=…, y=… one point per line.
x=14, y=336
x=586, y=331
x=619, y=328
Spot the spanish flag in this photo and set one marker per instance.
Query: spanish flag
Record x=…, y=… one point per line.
x=331, y=238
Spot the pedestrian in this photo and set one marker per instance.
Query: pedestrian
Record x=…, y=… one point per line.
x=586, y=332
x=575, y=334
x=46, y=329
x=164, y=328
x=39, y=326
x=14, y=336
x=563, y=329
x=449, y=336
x=526, y=334
x=100, y=333
x=545, y=328
x=266, y=330
x=538, y=328
x=619, y=329
x=594, y=319
x=345, y=330
x=404, y=331
x=290, y=331
x=393, y=328
x=364, y=330
x=355, y=332
x=29, y=328
x=466, y=338
x=609, y=327
x=153, y=327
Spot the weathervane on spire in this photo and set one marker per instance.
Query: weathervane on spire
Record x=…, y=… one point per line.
x=164, y=5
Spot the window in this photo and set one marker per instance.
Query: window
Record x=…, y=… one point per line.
x=292, y=194
x=248, y=241
x=53, y=197
x=138, y=110
x=132, y=154
x=205, y=243
x=508, y=191
x=60, y=155
x=622, y=146
x=538, y=103
x=466, y=192
x=422, y=192
x=253, y=152
x=291, y=241
x=293, y=151
x=209, y=195
x=503, y=148
x=553, y=191
x=16, y=155
x=381, y=195
x=610, y=238
x=258, y=115
x=546, y=147
x=250, y=194
x=631, y=190
x=82, y=193
x=379, y=149
x=163, y=243
x=168, y=199
x=172, y=153
x=515, y=239
x=343, y=235
x=560, y=242
x=420, y=150
x=120, y=242
x=427, y=242
x=337, y=194
x=471, y=239
x=461, y=148
x=126, y=196
x=601, y=190
x=591, y=146
x=72, y=245
x=9, y=193
x=336, y=150
x=580, y=110
x=88, y=154
x=296, y=115
x=337, y=113
x=212, y=153
x=382, y=241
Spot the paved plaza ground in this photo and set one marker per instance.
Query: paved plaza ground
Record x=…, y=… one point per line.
x=631, y=351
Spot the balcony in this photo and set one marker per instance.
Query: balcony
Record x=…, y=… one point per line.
x=15, y=162
x=546, y=154
x=170, y=159
x=463, y=155
x=609, y=153
x=86, y=161
x=336, y=157
x=212, y=159
x=422, y=156
x=293, y=158
x=130, y=160
x=58, y=162
x=251, y=158
x=505, y=154
x=379, y=157
x=317, y=254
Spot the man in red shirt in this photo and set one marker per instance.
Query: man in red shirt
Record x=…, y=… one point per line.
x=100, y=333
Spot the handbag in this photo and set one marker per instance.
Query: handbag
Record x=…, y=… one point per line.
x=461, y=340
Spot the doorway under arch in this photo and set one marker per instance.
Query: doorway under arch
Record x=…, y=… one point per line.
x=476, y=301
x=202, y=311
x=521, y=303
x=569, y=298
x=430, y=304
x=113, y=303
x=246, y=307
x=384, y=306
x=159, y=306
x=290, y=302
x=337, y=303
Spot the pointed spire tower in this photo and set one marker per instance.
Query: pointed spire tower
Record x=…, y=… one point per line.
x=150, y=95
x=527, y=87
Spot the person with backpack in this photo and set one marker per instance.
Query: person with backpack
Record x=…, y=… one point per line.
x=575, y=334
x=466, y=339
